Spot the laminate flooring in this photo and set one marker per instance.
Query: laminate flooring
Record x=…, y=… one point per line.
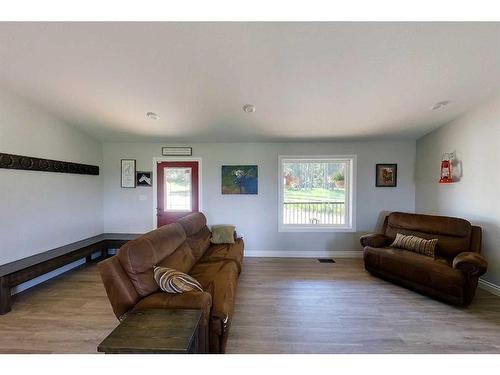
x=283, y=305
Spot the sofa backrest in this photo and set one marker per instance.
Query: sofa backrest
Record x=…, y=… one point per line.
x=197, y=232
x=454, y=235
x=165, y=246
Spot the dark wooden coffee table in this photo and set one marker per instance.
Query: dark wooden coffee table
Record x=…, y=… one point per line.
x=155, y=331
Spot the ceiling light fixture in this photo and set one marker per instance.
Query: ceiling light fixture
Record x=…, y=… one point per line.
x=152, y=116
x=440, y=105
x=249, y=108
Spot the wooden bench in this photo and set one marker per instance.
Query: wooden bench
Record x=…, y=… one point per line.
x=22, y=270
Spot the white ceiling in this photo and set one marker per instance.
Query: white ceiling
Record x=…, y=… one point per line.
x=309, y=81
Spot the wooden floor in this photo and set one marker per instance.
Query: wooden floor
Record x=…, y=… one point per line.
x=282, y=306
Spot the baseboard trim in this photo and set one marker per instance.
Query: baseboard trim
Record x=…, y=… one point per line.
x=303, y=254
x=490, y=287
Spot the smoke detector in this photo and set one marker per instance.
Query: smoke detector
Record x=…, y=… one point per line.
x=440, y=105
x=152, y=116
x=249, y=108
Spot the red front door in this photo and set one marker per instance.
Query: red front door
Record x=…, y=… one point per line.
x=177, y=187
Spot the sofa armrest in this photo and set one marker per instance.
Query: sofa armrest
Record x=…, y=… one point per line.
x=191, y=300
x=195, y=300
x=470, y=263
x=121, y=293
x=375, y=240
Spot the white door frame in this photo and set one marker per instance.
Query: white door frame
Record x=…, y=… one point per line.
x=157, y=160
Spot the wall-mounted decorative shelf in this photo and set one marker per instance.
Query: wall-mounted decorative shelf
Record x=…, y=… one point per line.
x=28, y=163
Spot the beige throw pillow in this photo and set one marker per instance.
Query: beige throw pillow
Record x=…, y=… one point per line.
x=415, y=244
x=173, y=281
x=222, y=234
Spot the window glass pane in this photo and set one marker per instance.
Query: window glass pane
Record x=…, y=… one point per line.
x=314, y=192
x=177, y=189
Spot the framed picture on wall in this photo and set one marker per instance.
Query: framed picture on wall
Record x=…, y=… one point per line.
x=240, y=179
x=144, y=179
x=386, y=175
x=128, y=173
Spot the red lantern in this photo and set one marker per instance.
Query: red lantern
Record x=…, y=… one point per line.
x=446, y=176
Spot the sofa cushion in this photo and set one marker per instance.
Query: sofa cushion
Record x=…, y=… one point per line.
x=199, y=242
x=182, y=259
x=173, y=281
x=164, y=246
x=449, y=226
x=409, y=267
x=193, y=223
x=142, y=253
x=222, y=234
x=197, y=232
x=453, y=234
x=416, y=244
x=232, y=252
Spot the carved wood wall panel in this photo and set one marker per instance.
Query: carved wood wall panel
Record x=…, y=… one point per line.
x=10, y=161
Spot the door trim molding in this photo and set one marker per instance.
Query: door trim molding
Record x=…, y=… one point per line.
x=161, y=159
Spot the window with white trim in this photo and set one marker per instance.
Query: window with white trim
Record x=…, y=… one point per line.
x=316, y=193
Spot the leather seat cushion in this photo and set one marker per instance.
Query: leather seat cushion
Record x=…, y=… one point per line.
x=232, y=251
x=406, y=266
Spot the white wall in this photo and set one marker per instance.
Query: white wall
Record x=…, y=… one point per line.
x=43, y=210
x=476, y=197
x=256, y=215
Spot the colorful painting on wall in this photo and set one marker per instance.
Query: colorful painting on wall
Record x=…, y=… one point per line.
x=240, y=179
x=386, y=175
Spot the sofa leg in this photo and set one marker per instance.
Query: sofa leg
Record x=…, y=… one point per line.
x=5, y=302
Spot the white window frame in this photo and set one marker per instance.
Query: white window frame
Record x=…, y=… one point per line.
x=350, y=183
x=166, y=209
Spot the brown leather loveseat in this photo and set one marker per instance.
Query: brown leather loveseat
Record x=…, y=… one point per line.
x=451, y=276
x=184, y=246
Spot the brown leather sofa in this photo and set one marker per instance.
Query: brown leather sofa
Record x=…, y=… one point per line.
x=451, y=276
x=185, y=246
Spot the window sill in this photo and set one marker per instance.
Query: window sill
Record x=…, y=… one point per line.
x=316, y=228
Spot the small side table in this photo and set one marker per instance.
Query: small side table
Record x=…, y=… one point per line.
x=155, y=331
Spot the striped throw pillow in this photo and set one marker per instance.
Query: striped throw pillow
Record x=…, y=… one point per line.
x=173, y=281
x=415, y=244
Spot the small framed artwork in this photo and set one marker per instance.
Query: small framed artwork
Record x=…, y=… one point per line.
x=386, y=175
x=177, y=151
x=144, y=179
x=240, y=179
x=128, y=173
